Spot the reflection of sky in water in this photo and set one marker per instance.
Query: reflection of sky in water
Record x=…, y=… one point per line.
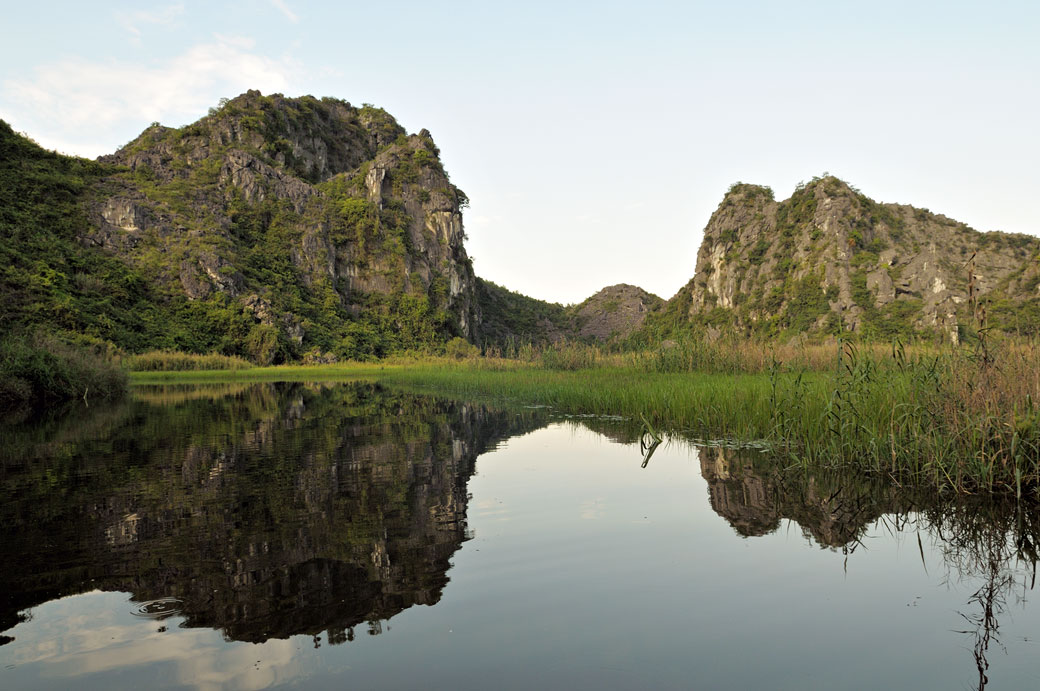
x=587, y=571
x=69, y=640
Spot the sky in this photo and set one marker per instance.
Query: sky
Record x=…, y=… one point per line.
x=594, y=139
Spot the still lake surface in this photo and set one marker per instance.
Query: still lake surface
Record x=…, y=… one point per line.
x=320, y=535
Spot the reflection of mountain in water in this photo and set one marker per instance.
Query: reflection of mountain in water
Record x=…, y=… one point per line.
x=269, y=510
x=990, y=540
x=753, y=493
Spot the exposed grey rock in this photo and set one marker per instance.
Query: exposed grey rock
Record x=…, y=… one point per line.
x=827, y=239
x=257, y=181
x=175, y=208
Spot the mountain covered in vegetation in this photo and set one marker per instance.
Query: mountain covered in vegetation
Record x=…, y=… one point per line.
x=272, y=228
x=283, y=229
x=829, y=260
x=610, y=315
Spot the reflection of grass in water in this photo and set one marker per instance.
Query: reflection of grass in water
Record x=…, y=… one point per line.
x=986, y=541
x=940, y=419
x=44, y=434
x=989, y=542
x=994, y=542
x=172, y=394
x=349, y=371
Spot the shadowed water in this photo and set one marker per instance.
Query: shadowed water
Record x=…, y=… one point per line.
x=248, y=536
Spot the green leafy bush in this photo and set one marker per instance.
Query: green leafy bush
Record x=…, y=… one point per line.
x=38, y=368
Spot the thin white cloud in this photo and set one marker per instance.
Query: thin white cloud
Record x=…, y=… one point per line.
x=163, y=16
x=284, y=9
x=89, y=108
x=480, y=220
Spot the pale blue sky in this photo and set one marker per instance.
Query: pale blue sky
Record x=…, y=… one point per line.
x=594, y=139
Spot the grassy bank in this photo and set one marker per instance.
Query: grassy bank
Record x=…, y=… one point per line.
x=173, y=361
x=950, y=420
x=38, y=369
x=961, y=420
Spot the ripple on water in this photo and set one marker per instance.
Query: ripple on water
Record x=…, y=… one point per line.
x=158, y=609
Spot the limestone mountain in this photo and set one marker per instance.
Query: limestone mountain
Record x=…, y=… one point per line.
x=281, y=229
x=831, y=260
x=271, y=228
x=614, y=312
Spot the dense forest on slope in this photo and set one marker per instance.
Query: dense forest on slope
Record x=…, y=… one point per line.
x=510, y=318
x=47, y=275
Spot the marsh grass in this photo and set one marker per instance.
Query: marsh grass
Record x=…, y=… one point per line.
x=729, y=405
x=172, y=361
x=921, y=416
x=696, y=355
x=949, y=419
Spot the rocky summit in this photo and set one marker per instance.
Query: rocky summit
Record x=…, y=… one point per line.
x=273, y=228
x=831, y=260
x=325, y=225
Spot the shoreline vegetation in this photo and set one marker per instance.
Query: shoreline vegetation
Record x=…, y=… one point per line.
x=955, y=419
x=38, y=369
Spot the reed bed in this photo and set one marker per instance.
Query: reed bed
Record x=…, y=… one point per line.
x=952, y=419
x=729, y=355
x=706, y=404
x=959, y=419
x=173, y=361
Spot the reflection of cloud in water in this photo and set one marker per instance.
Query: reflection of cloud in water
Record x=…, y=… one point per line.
x=102, y=636
x=593, y=509
x=492, y=509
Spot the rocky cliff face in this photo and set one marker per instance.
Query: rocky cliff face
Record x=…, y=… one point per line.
x=831, y=260
x=317, y=225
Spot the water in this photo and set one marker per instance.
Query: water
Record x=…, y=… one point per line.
x=309, y=535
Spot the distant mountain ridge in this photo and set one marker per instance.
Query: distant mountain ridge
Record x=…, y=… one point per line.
x=614, y=312
x=611, y=314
